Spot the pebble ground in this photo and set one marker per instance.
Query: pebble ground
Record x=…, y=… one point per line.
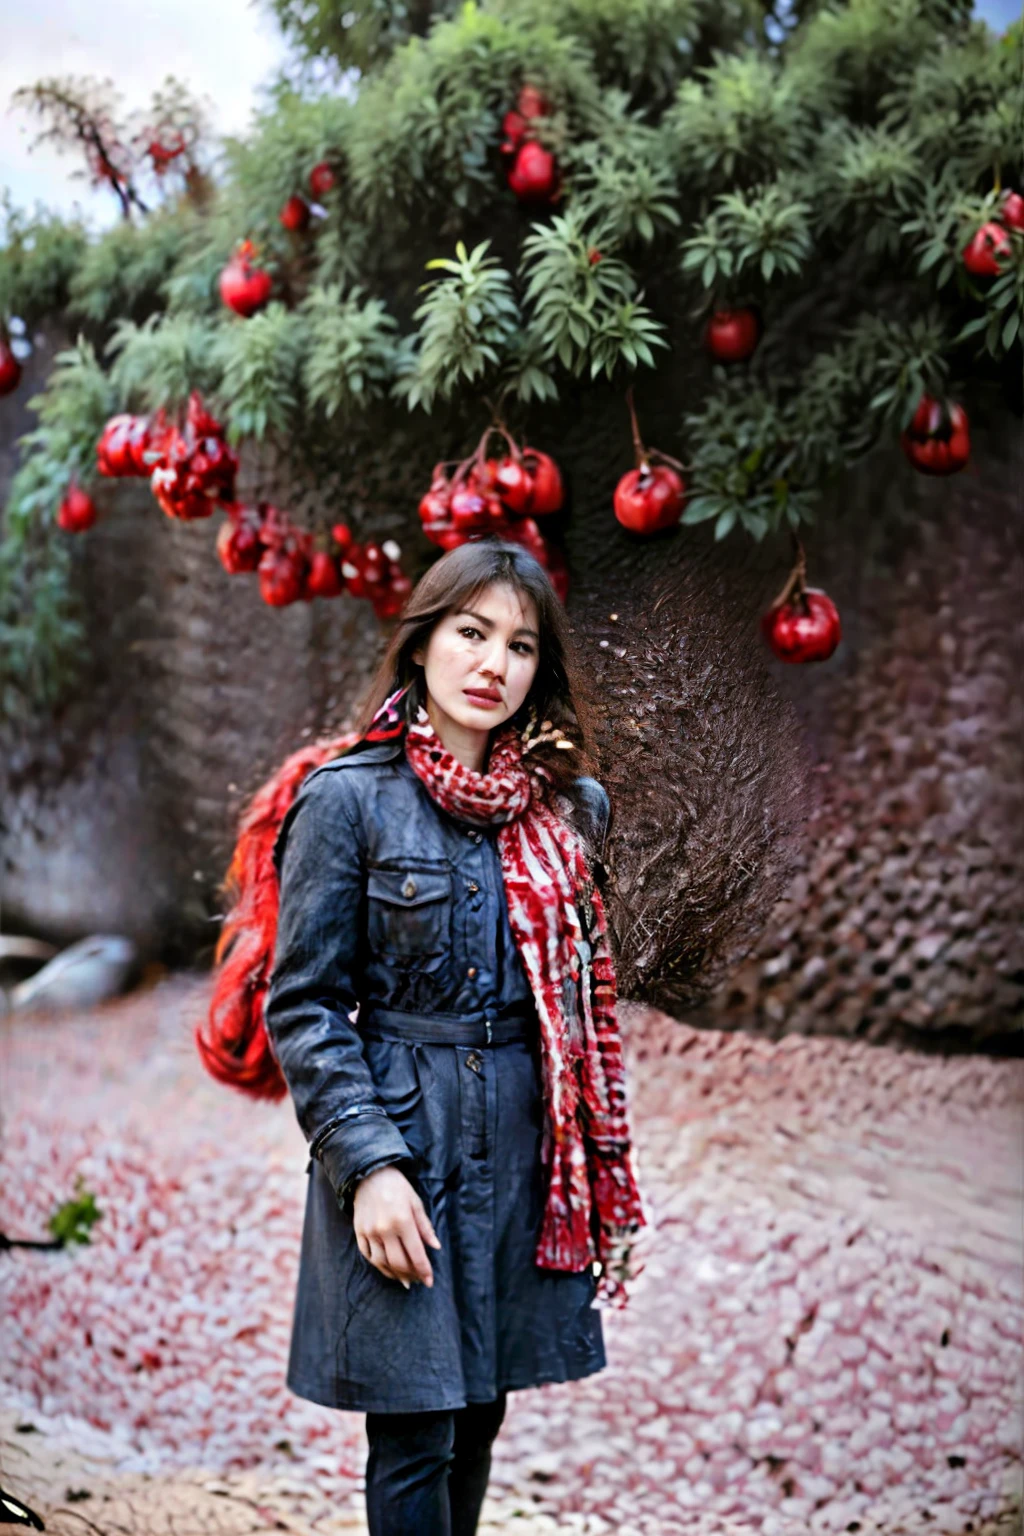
x=827, y=1336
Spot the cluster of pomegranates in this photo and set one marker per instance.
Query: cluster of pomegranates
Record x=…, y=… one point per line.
x=190, y=469
x=503, y=496
x=802, y=624
x=988, y=249
x=292, y=566
x=197, y=468
x=533, y=172
x=938, y=439
x=246, y=287
x=295, y=214
x=650, y=497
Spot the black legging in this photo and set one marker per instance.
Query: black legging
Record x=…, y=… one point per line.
x=426, y=1474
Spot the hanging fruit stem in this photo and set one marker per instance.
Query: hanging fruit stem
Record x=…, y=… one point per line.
x=645, y=455
x=478, y=456
x=639, y=450
x=796, y=581
x=497, y=419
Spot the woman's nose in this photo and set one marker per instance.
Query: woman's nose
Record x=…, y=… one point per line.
x=495, y=662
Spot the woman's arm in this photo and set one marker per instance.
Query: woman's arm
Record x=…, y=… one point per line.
x=319, y=858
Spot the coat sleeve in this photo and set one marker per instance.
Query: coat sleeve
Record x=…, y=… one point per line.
x=595, y=811
x=319, y=856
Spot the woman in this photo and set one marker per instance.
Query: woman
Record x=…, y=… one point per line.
x=442, y=1008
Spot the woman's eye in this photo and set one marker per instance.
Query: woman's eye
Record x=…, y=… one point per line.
x=471, y=629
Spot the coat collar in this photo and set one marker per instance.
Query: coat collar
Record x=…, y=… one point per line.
x=370, y=752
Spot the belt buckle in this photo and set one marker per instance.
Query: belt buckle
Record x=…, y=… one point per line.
x=487, y=1026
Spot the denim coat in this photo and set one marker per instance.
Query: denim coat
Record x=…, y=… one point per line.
x=393, y=912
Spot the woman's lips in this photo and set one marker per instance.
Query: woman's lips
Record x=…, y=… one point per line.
x=481, y=698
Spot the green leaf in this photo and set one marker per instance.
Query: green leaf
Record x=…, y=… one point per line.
x=700, y=509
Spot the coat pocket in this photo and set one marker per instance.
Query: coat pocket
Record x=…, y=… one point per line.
x=393, y=1067
x=409, y=909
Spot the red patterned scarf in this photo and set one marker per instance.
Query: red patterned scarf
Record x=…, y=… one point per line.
x=593, y=1206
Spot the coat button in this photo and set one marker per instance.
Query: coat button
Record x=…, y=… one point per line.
x=472, y=887
x=473, y=1061
x=471, y=971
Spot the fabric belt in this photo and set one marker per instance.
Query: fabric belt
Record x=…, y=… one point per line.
x=436, y=1029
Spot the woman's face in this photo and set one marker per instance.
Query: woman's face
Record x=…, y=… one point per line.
x=493, y=648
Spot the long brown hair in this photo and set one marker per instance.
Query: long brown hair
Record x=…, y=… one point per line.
x=232, y=1039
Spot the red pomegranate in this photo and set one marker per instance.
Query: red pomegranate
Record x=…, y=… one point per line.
x=732, y=335
x=352, y=572
x=324, y=578
x=433, y=507
x=514, y=484
x=649, y=499
x=295, y=215
x=322, y=179
x=533, y=176
x=114, y=454
x=147, y=443
x=389, y=603
x=282, y=573
x=469, y=509
x=1012, y=211
x=10, y=368
x=938, y=439
x=243, y=287
x=77, y=511
x=984, y=252
x=805, y=628
x=239, y=547
x=546, y=490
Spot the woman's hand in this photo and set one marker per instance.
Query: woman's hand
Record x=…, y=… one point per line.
x=390, y=1223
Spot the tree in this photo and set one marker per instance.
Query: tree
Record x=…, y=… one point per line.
x=810, y=178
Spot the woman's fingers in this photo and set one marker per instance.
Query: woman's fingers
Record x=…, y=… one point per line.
x=399, y=1259
x=425, y=1225
x=378, y=1257
x=419, y=1264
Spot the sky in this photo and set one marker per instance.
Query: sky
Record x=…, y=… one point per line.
x=223, y=49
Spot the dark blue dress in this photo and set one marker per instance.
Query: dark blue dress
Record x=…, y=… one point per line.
x=388, y=900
